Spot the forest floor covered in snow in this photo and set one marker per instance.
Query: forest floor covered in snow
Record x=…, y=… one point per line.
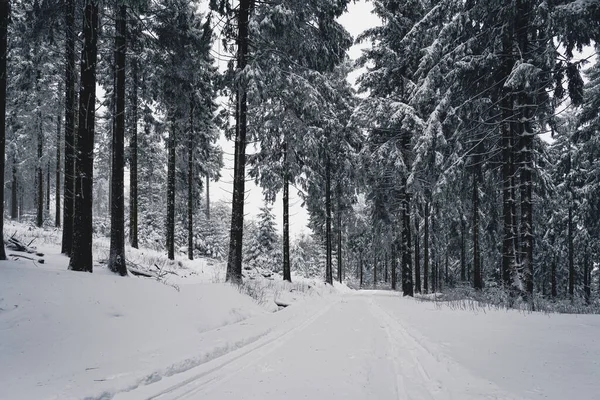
x=186, y=334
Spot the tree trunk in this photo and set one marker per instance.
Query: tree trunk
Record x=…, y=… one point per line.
x=407, y=278
x=69, y=168
x=4, y=20
x=14, y=191
x=571, y=255
x=394, y=266
x=586, y=277
x=40, y=155
x=433, y=251
x=477, y=278
x=48, y=188
x=116, y=260
x=426, y=251
x=57, y=220
x=361, y=266
x=171, y=192
x=287, y=272
x=385, y=267
x=207, y=197
x=81, y=254
x=553, y=278
x=417, y=257
x=190, y=199
x=374, y=271
x=463, y=255
x=133, y=160
x=338, y=212
x=328, y=241
x=234, y=263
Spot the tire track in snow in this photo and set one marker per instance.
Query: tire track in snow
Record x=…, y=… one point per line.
x=433, y=376
x=244, y=358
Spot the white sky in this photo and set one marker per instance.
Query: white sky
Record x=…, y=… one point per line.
x=357, y=19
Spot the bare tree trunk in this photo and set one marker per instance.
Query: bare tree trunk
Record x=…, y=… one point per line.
x=394, y=266
x=463, y=255
x=133, y=161
x=171, y=192
x=81, y=254
x=338, y=212
x=40, y=155
x=234, y=263
x=14, y=191
x=57, y=220
x=69, y=169
x=116, y=260
x=554, y=290
x=426, y=251
x=190, y=199
x=328, y=217
x=477, y=278
x=287, y=272
x=417, y=257
x=361, y=266
x=207, y=197
x=4, y=20
x=586, y=277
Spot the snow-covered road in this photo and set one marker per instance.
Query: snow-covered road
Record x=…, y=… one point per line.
x=363, y=346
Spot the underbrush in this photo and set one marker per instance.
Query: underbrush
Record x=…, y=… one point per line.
x=466, y=298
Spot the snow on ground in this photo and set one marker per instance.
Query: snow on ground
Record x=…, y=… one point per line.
x=68, y=335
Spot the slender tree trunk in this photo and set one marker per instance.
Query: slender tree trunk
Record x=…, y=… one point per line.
x=171, y=192
x=14, y=191
x=375, y=271
x=69, y=169
x=554, y=290
x=434, y=269
x=287, y=272
x=4, y=20
x=426, y=251
x=328, y=217
x=47, y=207
x=407, y=271
x=190, y=199
x=361, y=266
x=81, y=254
x=116, y=260
x=338, y=212
x=463, y=255
x=385, y=267
x=477, y=278
x=40, y=155
x=207, y=197
x=57, y=220
x=571, y=255
x=133, y=154
x=394, y=266
x=417, y=257
x=234, y=263
x=586, y=277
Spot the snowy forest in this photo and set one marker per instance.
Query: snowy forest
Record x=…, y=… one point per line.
x=465, y=155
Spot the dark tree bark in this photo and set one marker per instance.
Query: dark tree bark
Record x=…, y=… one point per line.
x=571, y=255
x=190, y=199
x=287, y=271
x=133, y=157
x=69, y=168
x=554, y=289
x=40, y=155
x=394, y=266
x=587, y=290
x=407, y=272
x=361, y=266
x=48, y=187
x=426, y=251
x=14, y=191
x=57, y=220
x=4, y=20
x=477, y=278
x=234, y=262
x=81, y=252
x=433, y=251
x=417, y=257
x=463, y=255
x=328, y=217
x=385, y=267
x=116, y=260
x=338, y=212
x=374, y=270
x=207, y=197
x=171, y=144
